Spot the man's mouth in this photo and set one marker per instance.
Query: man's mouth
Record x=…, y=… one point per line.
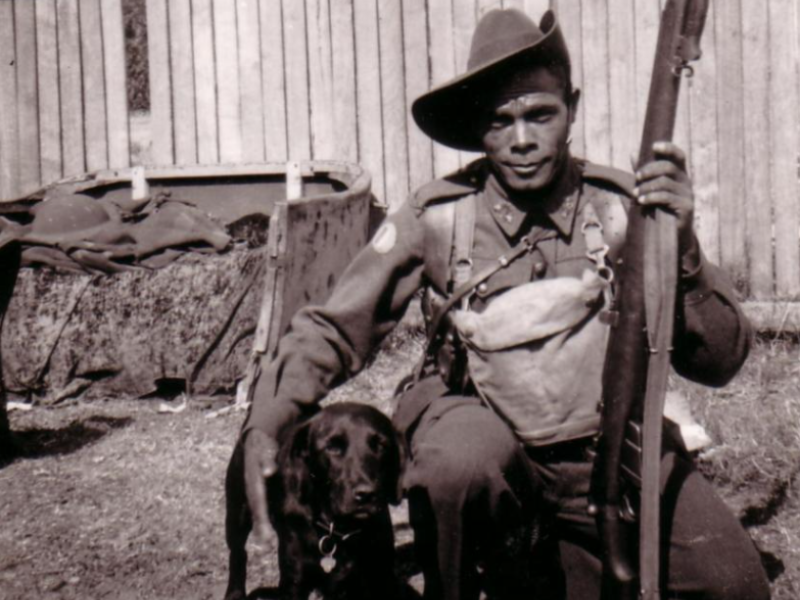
x=526, y=169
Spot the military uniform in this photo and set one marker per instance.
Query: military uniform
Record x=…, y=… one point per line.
x=472, y=484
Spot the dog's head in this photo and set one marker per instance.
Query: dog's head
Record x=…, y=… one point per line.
x=346, y=461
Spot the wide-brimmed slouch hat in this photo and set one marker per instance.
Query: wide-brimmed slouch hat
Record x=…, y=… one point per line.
x=504, y=41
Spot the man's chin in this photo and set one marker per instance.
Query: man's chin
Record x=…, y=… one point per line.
x=528, y=185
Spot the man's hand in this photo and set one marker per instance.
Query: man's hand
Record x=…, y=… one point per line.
x=259, y=464
x=664, y=182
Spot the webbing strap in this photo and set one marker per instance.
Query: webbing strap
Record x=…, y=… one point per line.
x=463, y=233
x=596, y=248
x=462, y=292
x=461, y=262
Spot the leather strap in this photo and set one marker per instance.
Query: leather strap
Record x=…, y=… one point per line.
x=463, y=233
x=462, y=292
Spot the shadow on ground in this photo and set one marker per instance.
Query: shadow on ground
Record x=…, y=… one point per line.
x=406, y=567
x=39, y=443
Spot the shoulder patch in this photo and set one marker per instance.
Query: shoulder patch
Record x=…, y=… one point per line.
x=623, y=181
x=461, y=183
x=385, y=238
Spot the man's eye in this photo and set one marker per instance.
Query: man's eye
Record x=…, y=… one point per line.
x=540, y=117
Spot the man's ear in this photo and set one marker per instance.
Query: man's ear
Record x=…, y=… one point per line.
x=572, y=103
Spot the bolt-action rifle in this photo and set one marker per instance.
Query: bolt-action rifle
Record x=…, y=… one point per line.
x=638, y=356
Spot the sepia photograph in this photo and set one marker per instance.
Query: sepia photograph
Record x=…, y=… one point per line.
x=400, y=299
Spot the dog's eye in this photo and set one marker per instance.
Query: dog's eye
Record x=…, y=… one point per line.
x=376, y=443
x=336, y=446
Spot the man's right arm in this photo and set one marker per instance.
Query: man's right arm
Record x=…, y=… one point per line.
x=326, y=345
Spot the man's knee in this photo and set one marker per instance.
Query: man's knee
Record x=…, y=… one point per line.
x=466, y=449
x=739, y=587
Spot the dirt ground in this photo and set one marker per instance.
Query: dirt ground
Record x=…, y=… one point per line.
x=119, y=500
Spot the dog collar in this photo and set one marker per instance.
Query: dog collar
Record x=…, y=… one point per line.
x=328, y=544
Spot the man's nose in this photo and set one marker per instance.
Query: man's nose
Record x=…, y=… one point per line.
x=523, y=137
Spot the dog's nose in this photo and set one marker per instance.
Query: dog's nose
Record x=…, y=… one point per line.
x=365, y=495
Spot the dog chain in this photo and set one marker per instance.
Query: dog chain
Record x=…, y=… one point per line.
x=327, y=546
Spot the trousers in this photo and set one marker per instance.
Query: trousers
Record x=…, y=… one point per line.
x=490, y=514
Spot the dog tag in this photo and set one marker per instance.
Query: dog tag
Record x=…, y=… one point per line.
x=328, y=563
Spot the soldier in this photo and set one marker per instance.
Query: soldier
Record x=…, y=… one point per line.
x=501, y=417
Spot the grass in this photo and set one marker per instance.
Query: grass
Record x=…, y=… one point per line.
x=755, y=460
x=118, y=500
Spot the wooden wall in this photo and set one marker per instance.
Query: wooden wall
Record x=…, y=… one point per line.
x=248, y=80
x=63, y=103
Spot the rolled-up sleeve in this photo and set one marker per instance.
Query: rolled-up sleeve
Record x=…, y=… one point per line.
x=712, y=335
x=328, y=344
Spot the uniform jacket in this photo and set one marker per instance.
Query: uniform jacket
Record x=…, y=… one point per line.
x=328, y=344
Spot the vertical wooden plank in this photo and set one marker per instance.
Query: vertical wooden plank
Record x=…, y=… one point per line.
x=784, y=144
x=250, y=81
x=205, y=82
x=320, y=68
x=395, y=144
x=756, y=101
x=9, y=136
x=647, y=15
x=594, y=20
x=622, y=82
x=485, y=6
x=516, y=4
x=116, y=80
x=94, y=85
x=49, y=94
x=415, y=32
x=27, y=96
x=297, y=92
x=370, y=125
x=274, y=80
x=160, y=82
x=181, y=64
x=536, y=8
x=69, y=64
x=228, y=93
x=701, y=91
x=730, y=125
x=464, y=22
x=569, y=16
x=443, y=68
x=344, y=80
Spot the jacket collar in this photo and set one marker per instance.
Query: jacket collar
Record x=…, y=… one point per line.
x=560, y=204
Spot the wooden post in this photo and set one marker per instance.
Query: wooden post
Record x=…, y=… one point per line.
x=294, y=180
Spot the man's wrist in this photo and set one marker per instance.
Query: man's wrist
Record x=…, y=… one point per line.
x=694, y=284
x=691, y=259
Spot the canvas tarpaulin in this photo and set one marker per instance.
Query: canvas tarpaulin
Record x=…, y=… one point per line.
x=130, y=299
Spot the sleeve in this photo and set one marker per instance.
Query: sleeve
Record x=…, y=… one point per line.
x=712, y=335
x=328, y=344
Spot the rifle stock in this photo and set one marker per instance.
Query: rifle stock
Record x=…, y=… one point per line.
x=637, y=359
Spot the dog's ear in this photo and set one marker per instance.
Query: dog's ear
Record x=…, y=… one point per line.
x=397, y=464
x=295, y=468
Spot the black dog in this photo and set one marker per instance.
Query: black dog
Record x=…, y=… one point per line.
x=328, y=502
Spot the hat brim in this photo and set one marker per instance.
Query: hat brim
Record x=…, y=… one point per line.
x=449, y=113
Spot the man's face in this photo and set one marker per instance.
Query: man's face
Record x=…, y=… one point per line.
x=526, y=137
